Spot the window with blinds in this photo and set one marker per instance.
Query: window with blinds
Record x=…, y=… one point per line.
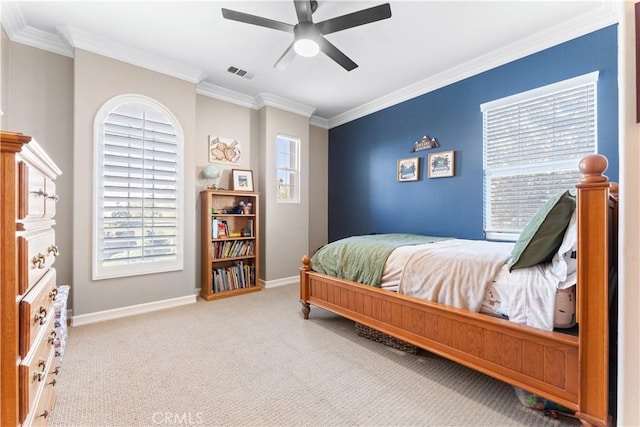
x=139, y=189
x=533, y=142
x=287, y=169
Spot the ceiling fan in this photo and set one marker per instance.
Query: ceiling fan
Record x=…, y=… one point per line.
x=308, y=36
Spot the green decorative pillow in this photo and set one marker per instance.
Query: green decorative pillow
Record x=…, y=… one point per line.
x=543, y=235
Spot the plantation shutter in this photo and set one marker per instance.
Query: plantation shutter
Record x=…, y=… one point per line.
x=533, y=143
x=139, y=224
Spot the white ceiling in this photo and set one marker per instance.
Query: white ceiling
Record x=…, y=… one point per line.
x=424, y=45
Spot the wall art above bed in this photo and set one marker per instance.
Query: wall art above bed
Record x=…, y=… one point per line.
x=408, y=169
x=441, y=164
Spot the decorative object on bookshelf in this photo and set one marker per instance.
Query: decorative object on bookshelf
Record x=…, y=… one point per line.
x=212, y=174
x=441, y=164
x=229, y=243
x=408, y=169
x=242, y=179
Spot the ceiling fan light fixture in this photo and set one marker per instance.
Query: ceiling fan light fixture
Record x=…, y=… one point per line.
x=306, y=47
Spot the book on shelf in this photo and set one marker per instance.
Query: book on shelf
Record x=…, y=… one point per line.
x=214, y=228
x=223, y=229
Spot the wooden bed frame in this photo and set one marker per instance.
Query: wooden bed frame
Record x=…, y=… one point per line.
x=571, y=370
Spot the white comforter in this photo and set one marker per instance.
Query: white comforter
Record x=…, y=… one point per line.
x=454, y=272
x=532, y=294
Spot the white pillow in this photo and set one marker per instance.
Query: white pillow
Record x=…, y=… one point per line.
x=563, y=266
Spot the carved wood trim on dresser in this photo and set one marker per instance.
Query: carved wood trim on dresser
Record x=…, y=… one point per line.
x=28, y=281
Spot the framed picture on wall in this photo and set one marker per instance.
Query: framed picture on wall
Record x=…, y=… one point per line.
x=224, y=150
x=408, y=169
x=242, y=179
x=441, y=164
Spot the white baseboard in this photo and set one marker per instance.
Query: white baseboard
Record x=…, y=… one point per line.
x=279, y=282
x=116, y=313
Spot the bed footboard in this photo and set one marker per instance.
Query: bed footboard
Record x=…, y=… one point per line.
x=545, y=363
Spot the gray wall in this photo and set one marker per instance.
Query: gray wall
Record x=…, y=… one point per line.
x=4, y=77
x=98, y=79
x=285, y=226
x=318, y=187
x=38, y=101
x=219, y=118
x=55, y=99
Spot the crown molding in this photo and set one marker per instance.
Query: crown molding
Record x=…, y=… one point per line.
x=18, y=31
x=319, y=122
x=576, y=27
x=255, y=103
x=103, y=46
x=227, y=95
x=271, y=100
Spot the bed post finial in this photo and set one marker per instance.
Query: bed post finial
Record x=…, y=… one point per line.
x=306, y=262
x=593, y=167
x=614, y=187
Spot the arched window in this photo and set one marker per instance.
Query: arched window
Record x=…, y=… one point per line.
x=139, y=188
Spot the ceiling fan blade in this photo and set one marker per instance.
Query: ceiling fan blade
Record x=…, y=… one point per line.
x=256, y=20
x=336, y=54
x=303, y=10
x=286, y=58
x=365, y=16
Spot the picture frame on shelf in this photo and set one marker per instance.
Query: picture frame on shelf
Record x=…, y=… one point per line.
x=442, y=164
x=408, y=169
x=242, y=179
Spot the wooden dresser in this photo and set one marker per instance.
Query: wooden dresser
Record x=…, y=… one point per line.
x=29, y=360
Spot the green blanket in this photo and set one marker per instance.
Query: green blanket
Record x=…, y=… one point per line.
x=361, y=258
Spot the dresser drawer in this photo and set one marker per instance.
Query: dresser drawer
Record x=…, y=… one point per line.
x=32, y=193
x=41, y=412
x=34, y=369
x=35, y=310
x=36, y=254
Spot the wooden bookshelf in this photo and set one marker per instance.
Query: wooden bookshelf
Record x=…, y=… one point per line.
x=229, y=243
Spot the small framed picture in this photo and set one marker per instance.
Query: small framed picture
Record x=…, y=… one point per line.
x=441, y=164
x=242, y=179
x=408, y=169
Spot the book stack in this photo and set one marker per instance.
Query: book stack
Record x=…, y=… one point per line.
x=237, y=276
x=219, y=229
x=233, y=249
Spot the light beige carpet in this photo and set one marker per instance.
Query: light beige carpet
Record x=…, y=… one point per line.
x=252, y=360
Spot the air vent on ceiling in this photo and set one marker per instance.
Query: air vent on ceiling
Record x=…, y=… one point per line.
x=242, y=73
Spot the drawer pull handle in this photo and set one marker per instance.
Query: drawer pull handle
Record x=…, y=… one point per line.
x=53, y=249
x=45, y=414
x=52, y=337
x=38, y=261
x=37, y=375
x=40, y=316
x=53, y=293
x=53, y=197
x=40, y=193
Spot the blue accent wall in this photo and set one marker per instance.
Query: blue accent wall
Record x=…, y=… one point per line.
x=364, y=196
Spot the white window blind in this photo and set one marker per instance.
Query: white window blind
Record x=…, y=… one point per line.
x=139, y=188
x=533, y=143
x=287, y=169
